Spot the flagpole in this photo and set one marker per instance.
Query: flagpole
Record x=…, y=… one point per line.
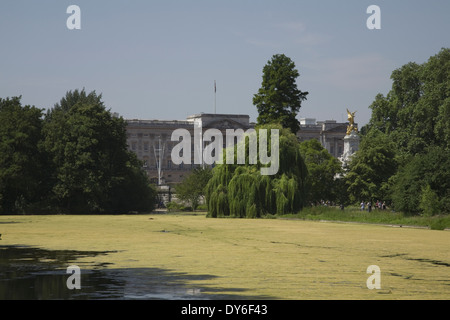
x=215, y=92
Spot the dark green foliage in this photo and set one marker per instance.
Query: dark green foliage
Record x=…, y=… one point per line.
x=322, y=168
x=418, y=172
x=279, y=100
x=75, y=160
x=415, y=112
x=241, y=191
x=92, y=170
x=22, y=167
x=130, y=190
x=192, y=188
x=415, y=118
x=371, y=168
x=429, y=201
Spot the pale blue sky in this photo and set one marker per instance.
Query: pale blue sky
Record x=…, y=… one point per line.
x=159, y=59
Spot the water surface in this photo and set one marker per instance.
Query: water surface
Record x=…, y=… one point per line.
x=29, y=273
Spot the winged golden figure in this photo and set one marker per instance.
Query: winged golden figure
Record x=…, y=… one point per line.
x=351, y=122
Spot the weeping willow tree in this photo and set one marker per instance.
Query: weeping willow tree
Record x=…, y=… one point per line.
x=240, y=190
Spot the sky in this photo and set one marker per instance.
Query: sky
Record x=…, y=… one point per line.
x=159, y=59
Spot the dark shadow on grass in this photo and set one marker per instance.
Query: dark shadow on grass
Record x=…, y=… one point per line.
x=28, y=273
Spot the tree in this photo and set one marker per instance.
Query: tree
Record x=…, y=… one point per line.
x=92, y=168
x=442, y=128
x=239, y=190
x=192, y=188
x=415, y=116
x=416, y=172
x=279, y=100
x=371, y=168
x=131, y=190
x=429, y=201
x=322, y=168
x=22, y=173
x=415, y=111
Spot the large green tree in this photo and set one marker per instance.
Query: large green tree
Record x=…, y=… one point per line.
x=323, y=169
x=93, y=172
x=415, y=111
x=239, y=190
x=279, y=100
x=426, y=172
x=371, y=168
x=415, y=116
x=22, y=169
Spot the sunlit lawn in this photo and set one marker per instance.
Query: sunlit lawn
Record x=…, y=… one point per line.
x=354, y=214
x=261, y=258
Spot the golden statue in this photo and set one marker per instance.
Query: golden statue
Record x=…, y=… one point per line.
x=351, y=122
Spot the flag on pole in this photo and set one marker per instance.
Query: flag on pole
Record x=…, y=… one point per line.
x=215, y=89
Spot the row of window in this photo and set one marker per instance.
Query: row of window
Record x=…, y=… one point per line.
x=135, y=146
x=168, y=165
x=146, y=135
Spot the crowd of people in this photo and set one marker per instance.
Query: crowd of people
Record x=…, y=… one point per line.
x=378, y=205
x=381, y=205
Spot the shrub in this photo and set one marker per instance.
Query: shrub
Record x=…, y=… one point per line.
x=429, y=202
x=438, y=224
x=175, y=206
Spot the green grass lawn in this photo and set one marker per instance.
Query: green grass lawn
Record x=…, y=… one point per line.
x=256, y=258
x=353, y=214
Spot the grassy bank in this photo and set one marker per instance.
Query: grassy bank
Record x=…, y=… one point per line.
x=353, y=214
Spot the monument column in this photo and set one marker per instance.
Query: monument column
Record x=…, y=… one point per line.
x=351, y=140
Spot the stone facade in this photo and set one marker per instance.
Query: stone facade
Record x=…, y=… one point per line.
x=329, y=133
x=151, y=140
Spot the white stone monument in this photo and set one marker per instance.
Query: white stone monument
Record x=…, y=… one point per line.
x=351, y=140
x=351, y=145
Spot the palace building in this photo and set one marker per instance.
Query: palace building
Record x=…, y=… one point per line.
x=329, y=133
x=151, y=140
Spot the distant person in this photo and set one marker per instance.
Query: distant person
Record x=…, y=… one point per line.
x=369, y=206
x=362, y=205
